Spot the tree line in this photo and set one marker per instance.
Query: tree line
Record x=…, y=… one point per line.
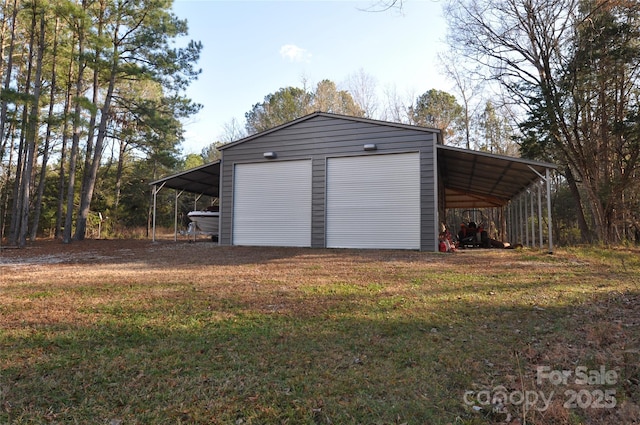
x=571, y=68
x=484, y=128
x=81, y=79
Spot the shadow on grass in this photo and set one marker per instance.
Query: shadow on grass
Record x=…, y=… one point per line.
x=169, y=254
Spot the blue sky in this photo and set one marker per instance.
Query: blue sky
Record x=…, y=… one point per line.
x=253, y=48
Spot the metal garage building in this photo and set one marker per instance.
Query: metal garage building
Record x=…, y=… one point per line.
x=331, y=181
x=334, y=181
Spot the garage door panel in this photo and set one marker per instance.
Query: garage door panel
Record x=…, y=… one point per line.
x=374, y=201
x=272, y=204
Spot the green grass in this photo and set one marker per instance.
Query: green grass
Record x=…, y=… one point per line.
x=299, y=339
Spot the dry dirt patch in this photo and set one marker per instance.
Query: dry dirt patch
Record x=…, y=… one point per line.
x=184, y=253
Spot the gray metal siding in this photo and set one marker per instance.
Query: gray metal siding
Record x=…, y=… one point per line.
x=429, y=201
x=321, y=137
x=226, y=202
x=318, y=187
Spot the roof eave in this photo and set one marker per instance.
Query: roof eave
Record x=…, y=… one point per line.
x=525, y=161
x=180, y=174
x=328, y=115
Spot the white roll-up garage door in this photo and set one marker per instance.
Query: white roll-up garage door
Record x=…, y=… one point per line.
x=272, y=203
x=374, y=201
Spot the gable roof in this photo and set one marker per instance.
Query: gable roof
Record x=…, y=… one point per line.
x=329, y=115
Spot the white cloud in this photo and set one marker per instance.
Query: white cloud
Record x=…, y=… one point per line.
x=295, y=53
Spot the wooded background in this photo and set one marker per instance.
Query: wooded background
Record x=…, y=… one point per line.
x=92, y=106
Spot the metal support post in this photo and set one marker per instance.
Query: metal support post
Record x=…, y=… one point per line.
x=526, y=220
x=549, y=228
x=520, y=221
x=156, y=189
x=540, y=215
x=153, y=226
x=533, y=220
x=547, y=179
x=175, y=216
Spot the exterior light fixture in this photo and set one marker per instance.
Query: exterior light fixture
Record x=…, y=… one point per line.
x=370, y=147
x=270, y=155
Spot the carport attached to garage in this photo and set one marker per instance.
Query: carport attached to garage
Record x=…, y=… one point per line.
x=328, y=180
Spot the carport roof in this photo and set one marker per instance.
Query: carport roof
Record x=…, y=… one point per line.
x=203, y=180
x=474, y=179
x=471, y=179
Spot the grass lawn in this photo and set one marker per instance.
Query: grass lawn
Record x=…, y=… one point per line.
x=134, y=332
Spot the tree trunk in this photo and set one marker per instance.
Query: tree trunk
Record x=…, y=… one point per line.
x=32, y=129
x=93, y=153
x=60, y=216
x=73, y=154
x=87, y=193
x=47, y=140
x=8, y=73
x=6, y=136
x=7, y=177
x=18, y=190
x=585, y=233
x=81, y=225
